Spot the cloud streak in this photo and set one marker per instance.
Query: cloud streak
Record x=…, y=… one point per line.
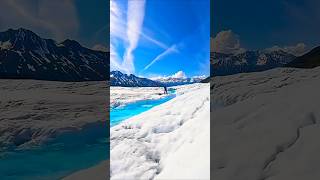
x=114, y=60
x=154, y=41
x=117, y=24
x=135, y=18
x=170, y=50
x=127, y=27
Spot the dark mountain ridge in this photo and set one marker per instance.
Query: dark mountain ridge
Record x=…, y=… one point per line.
x=25, y=55
x=118, y=78
x=308, y=60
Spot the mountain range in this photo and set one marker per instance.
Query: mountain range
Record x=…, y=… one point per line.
x=249, y=61
x=252, y=61
x=118, y=78
x=174, y=81
x=25, y=55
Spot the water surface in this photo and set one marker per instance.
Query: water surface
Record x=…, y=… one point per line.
x=119, y=114
x=57, y=158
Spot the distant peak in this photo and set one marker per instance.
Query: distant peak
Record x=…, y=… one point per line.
x=21, y=31
x=21, y=38
x=71, y=43
x=116, y=72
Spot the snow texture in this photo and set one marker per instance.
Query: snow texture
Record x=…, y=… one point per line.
x=265, y=125
x=120, y=96
x=170, y=141
x=33, y=111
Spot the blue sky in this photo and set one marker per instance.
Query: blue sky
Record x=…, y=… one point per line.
x=81, y=20
x=152, y=38
x=93, y=22
x=264, y=24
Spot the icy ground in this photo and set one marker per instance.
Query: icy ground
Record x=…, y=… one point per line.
x=170, y=141
x=120, y=96
x=266, y=125
x=33, y=111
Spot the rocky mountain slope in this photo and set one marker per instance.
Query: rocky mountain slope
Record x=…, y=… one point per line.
x=308, y=60
x=25, y=55
x=249, y=61
x=118, y=78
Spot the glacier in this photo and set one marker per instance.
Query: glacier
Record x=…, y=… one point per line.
x=171, y=140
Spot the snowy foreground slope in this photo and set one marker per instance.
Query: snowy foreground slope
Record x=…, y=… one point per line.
x=170, y=141
x=33, y=111
x=266, y=125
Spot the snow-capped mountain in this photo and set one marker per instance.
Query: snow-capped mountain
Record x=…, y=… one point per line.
x=118, y=78
x=249, y=61
x=174, y=81
x=179, y=78
x=23, y=54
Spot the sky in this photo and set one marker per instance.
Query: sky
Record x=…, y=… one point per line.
x=81, y=20
x=292, y=25
x=152, y=38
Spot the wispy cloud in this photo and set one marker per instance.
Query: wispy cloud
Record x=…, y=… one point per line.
x=117, y=24
x=119, y=28
x=154, y=41
x=114, y=60
x=127, y=26
x=226, y=42
x=135, y=18
x=168, y=51
x=179, y=74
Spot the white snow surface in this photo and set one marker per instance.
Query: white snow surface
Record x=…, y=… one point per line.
x=170, y=141
x=120, y=96
x=33, y=111
x=266, y=125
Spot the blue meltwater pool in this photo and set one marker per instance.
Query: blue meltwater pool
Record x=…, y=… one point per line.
x=119, y=114
x=58, y=158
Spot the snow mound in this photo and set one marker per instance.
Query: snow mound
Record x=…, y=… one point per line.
x=169, y=141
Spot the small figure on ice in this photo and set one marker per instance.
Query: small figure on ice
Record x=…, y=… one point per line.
x=165, y=90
